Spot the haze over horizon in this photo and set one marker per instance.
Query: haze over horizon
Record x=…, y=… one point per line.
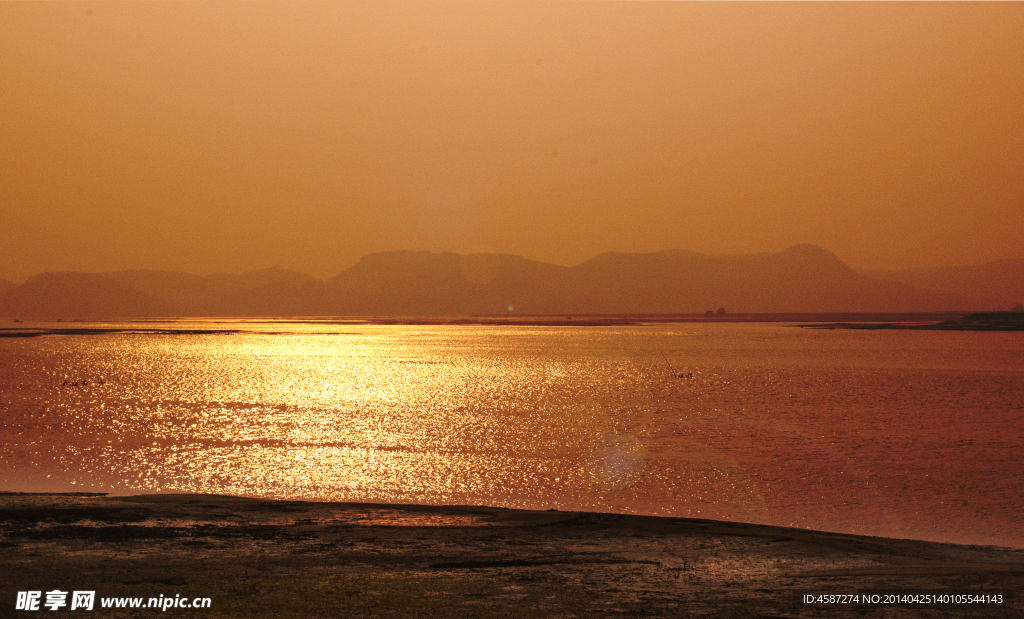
x=231, y=137
x=801, y=279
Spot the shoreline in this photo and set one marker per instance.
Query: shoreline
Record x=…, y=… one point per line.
x=275, y=558
x=165, y=326
x=980, y=321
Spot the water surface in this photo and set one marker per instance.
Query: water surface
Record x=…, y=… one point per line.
x=897, y=433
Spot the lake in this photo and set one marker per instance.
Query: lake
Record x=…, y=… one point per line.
x=914, y=434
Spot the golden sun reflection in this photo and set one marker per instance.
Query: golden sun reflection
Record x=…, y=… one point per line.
x=529, y=417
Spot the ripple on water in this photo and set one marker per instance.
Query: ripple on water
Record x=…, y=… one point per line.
x=913, y=434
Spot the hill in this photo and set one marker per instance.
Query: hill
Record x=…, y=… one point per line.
x=801, y=278
x=268, y=292
x=85, y=296
x=407, y=283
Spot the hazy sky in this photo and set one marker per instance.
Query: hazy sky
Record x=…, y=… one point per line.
x=213, y=136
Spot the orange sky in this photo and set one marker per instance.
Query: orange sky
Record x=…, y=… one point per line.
x=206, y=137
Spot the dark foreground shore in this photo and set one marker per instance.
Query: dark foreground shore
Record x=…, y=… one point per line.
x=258, y=558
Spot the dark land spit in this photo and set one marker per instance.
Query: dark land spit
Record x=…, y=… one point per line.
x=982, y=321
x=261, y=558
x=30, y=332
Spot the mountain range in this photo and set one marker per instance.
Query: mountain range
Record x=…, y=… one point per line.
x=803, y=278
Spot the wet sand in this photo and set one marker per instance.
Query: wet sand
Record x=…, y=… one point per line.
x=260, y=558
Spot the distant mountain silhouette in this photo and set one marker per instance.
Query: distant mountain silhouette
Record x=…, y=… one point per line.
x=269, y=292
x=5, y=286
x=411, y=283
x=992, y=286
x=51, y=296
x=804, y=278
x=801, y=278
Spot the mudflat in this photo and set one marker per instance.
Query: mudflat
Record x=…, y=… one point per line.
x=264, y=558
